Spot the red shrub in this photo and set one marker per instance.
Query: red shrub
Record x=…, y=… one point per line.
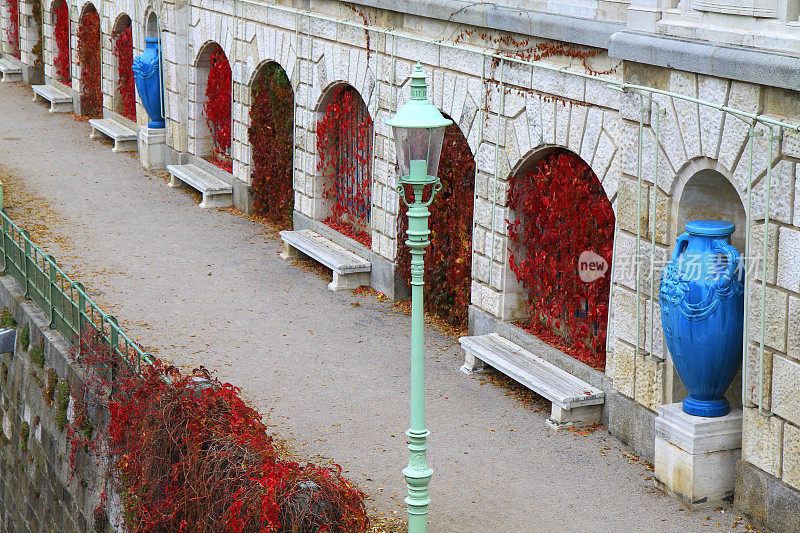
x=344, y=145
x=13, y=30
x=191, y=456
x=271, y=133
x=448, y=260
x=217, y=107
x=90, y=63
x=62, y=59
x=123, y=50
x=561, y=211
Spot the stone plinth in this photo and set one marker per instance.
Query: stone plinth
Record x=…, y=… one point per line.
x=153, y=148
x=695, y=457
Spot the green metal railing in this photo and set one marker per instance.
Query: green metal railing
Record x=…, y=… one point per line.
x=65, y=302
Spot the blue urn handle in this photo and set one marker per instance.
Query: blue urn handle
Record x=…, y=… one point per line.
x=732, y=259
x=680, y=245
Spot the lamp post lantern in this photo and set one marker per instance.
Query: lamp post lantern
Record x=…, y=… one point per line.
x=418, y=129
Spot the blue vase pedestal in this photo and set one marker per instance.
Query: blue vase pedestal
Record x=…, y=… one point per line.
x=696, y=456
x=153, y=148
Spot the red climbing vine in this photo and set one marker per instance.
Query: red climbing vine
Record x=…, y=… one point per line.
x=561, y=211
x=344, y=145
x=12, y=32
x=271, y=134
x=123, y=51
x=90, y=63
x=217, y=108
x=62, y=60
x=448, y=260
x=187, y=454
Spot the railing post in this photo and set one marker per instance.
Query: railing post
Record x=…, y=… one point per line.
x=81, y=306
x=5, y=236
x=51, y=273
x=27, y=236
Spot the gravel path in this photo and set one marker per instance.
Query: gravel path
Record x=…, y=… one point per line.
x=328, y=370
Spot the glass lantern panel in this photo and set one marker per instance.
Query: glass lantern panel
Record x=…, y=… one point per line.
x=418, y=144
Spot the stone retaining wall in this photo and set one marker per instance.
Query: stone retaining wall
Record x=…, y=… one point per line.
x=39, y=491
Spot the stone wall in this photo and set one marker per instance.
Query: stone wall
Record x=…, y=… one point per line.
x=38, y=383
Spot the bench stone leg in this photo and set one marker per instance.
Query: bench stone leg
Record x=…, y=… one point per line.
x=216, y=200
x=37, y=97
x=126, y=146
x=61, y=107
x=290, y=252
x=174, y=182
x=473, y=365
x=576, y=417
x=95, y=135
x=343, y=282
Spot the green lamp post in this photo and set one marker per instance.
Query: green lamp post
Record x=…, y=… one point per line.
x=418, y=129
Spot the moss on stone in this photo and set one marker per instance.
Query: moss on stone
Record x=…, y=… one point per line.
x=25, y=337
x=49, y=392
x=37, y=355
x=24, y=433
x=7, y=320
x=62, y=403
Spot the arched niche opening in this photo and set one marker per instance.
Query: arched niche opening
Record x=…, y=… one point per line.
x=708, y=194
x=344, y=150
x=448, y=260
x=11, y=34
x=561, y=237
x=61, y=36
x=271, y=132
x=151, y=28
x=90, y=62
x=212, y=110
x=124, y=97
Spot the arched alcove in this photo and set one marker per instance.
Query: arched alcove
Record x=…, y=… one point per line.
x=561, y=235
x=61, y=36
x=151, y=28
x=344, y=150
x=709, y=194
x=212, y=109
x=448, y=260
x=11, y=34
x=124, y=98
x=90, y=62
x=270, y=133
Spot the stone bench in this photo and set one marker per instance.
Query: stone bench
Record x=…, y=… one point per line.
x=350, y=271
x=574, y=402
x=125, y=139
x=60, y=102
x=10, y=71
x=216, y=192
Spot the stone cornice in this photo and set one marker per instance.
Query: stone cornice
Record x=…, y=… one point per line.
x=563, y=28
x=732, y=62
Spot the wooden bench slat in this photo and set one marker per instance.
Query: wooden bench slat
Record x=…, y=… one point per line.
x=199, y=179
x=51, y=94
x=555, y=384
x=330, y=254
x=7, y=67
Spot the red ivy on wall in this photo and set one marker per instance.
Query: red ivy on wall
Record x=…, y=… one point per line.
x=90, y=63
x=13, y=30
x=217, y=107
x=271, y=134
x=123, y=50
x=561, y=211
x=62, y=60
x=448, y=260
x=344, y=145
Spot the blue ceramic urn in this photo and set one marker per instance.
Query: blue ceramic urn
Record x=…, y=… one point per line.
x=702, y=300
x=146, y=72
